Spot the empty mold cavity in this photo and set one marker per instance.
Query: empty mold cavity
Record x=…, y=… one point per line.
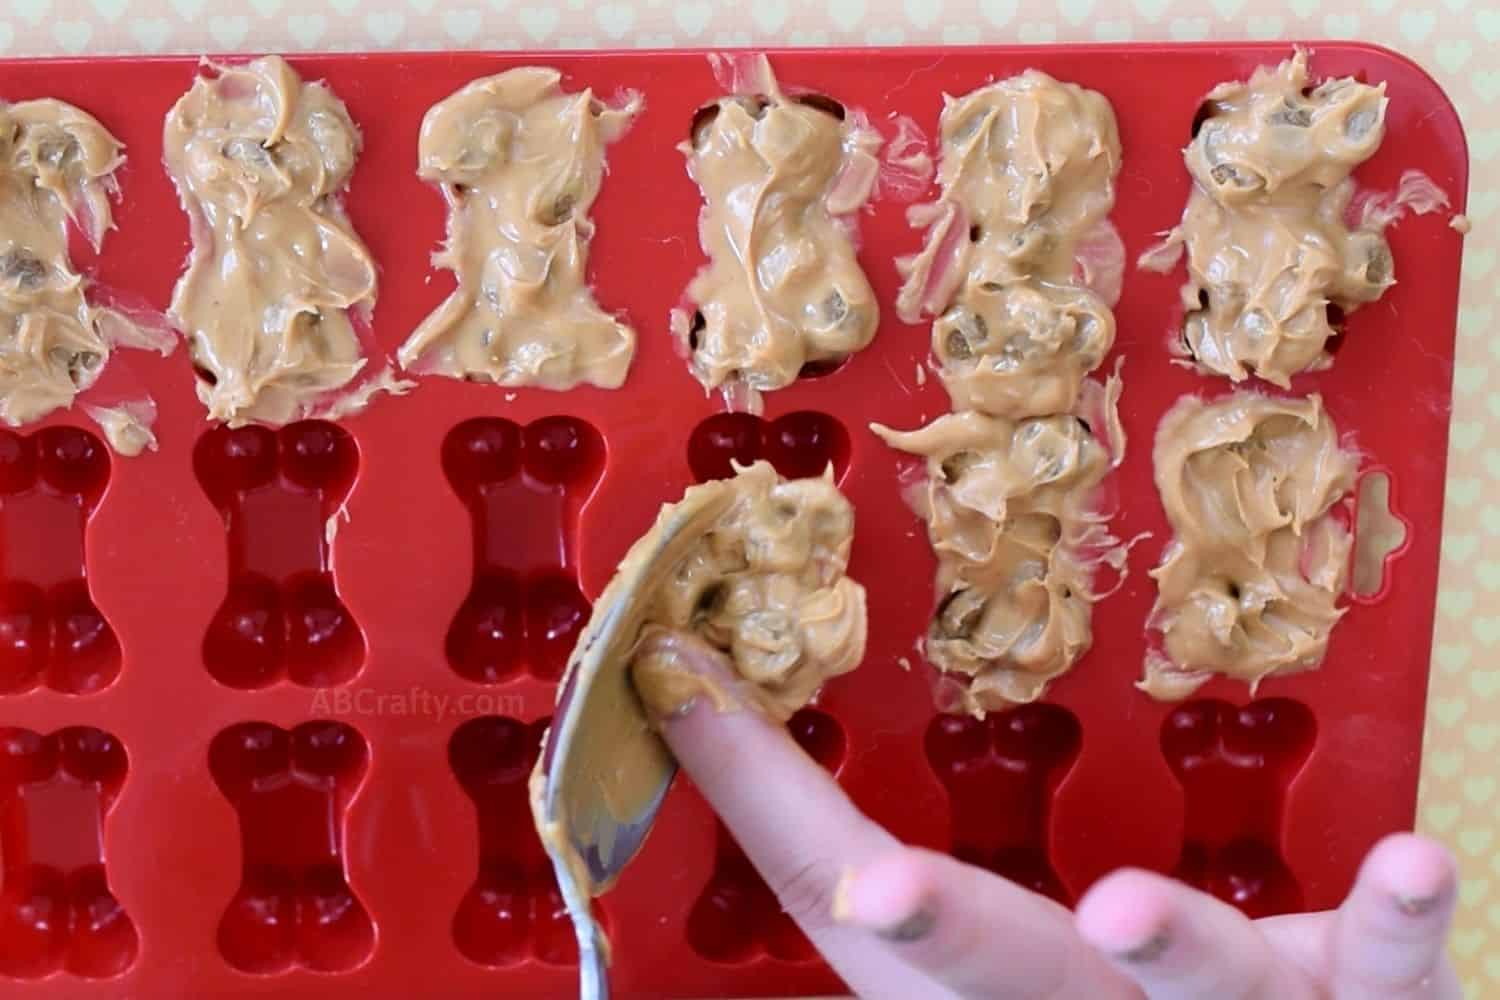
x=1000, y=774
x=524, y=488
x=737, y=918
x=513, y=911
x=1234, y=765
x=51, y=633
x=1379, y=533
x=798, y=444
x=282, y=618
x=294, y=907
x=56, y=909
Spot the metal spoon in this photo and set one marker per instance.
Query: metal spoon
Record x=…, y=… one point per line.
x=603, y=771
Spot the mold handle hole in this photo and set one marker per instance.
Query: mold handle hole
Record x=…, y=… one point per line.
x=1377, y=533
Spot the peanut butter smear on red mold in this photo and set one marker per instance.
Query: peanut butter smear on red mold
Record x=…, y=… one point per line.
x=259, y=159
x=1269, y=246
x=1249, y=584
x=520, y=162
x=1020, y=268
x=1008, y=511
x=766, y=586
x=781, y=176
x=57, y=166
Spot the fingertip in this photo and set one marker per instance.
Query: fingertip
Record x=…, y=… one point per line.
x=1126, y=914
x=1415, y=872
x=887, y=896
x=1389, y=936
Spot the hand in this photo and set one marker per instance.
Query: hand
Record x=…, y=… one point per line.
x=911, y=924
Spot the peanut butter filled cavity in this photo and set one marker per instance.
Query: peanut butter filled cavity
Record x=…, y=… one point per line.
x=782, y=177
x=1270, y=251
x=520, y=162
x=57, y=165
x=1027, y=173
x=767, y=587
x=1014, y=243
x=1008, y=511
x=1250, y=582
x=259, y=159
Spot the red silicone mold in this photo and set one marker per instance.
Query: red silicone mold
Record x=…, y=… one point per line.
x=268, y=698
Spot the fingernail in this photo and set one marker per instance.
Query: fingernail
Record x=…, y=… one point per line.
x=1147, y=951
x=913, y=928
x=908, y=927
x=1416, y=906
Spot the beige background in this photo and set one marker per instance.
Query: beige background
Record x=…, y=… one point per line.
x=1457, y=40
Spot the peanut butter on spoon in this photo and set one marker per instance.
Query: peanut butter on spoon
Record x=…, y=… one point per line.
x=1250, y=583
x=781, y=177
x=1269, y=246
x=754, y=567
x=767, y=587
x=259, y=159
x=520, y=162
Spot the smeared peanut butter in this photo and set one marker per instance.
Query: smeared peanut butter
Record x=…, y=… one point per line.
x=781, y=176
x=520, y=162
x=57, y=166
x=1027, y=173
x=1020, y=268
x=1250, y=584
x=766, y=586
x=1012, y=513
x=1269, y=248
x=259, y=159
x=127, y=425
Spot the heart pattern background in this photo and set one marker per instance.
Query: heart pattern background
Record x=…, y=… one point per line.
x=1454, y=39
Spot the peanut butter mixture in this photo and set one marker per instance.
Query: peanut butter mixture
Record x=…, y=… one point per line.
x=259, y=159
x=520, y=162
x=765, y=585
x=1009, y=506
x=1250, y=584
x=1020, y=268
x=1027, y=172
x=1270, y=252
x=127, y=425
x=57, y=165
x=781, y=178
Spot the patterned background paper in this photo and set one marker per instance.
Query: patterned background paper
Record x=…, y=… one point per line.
x=1456, y=40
